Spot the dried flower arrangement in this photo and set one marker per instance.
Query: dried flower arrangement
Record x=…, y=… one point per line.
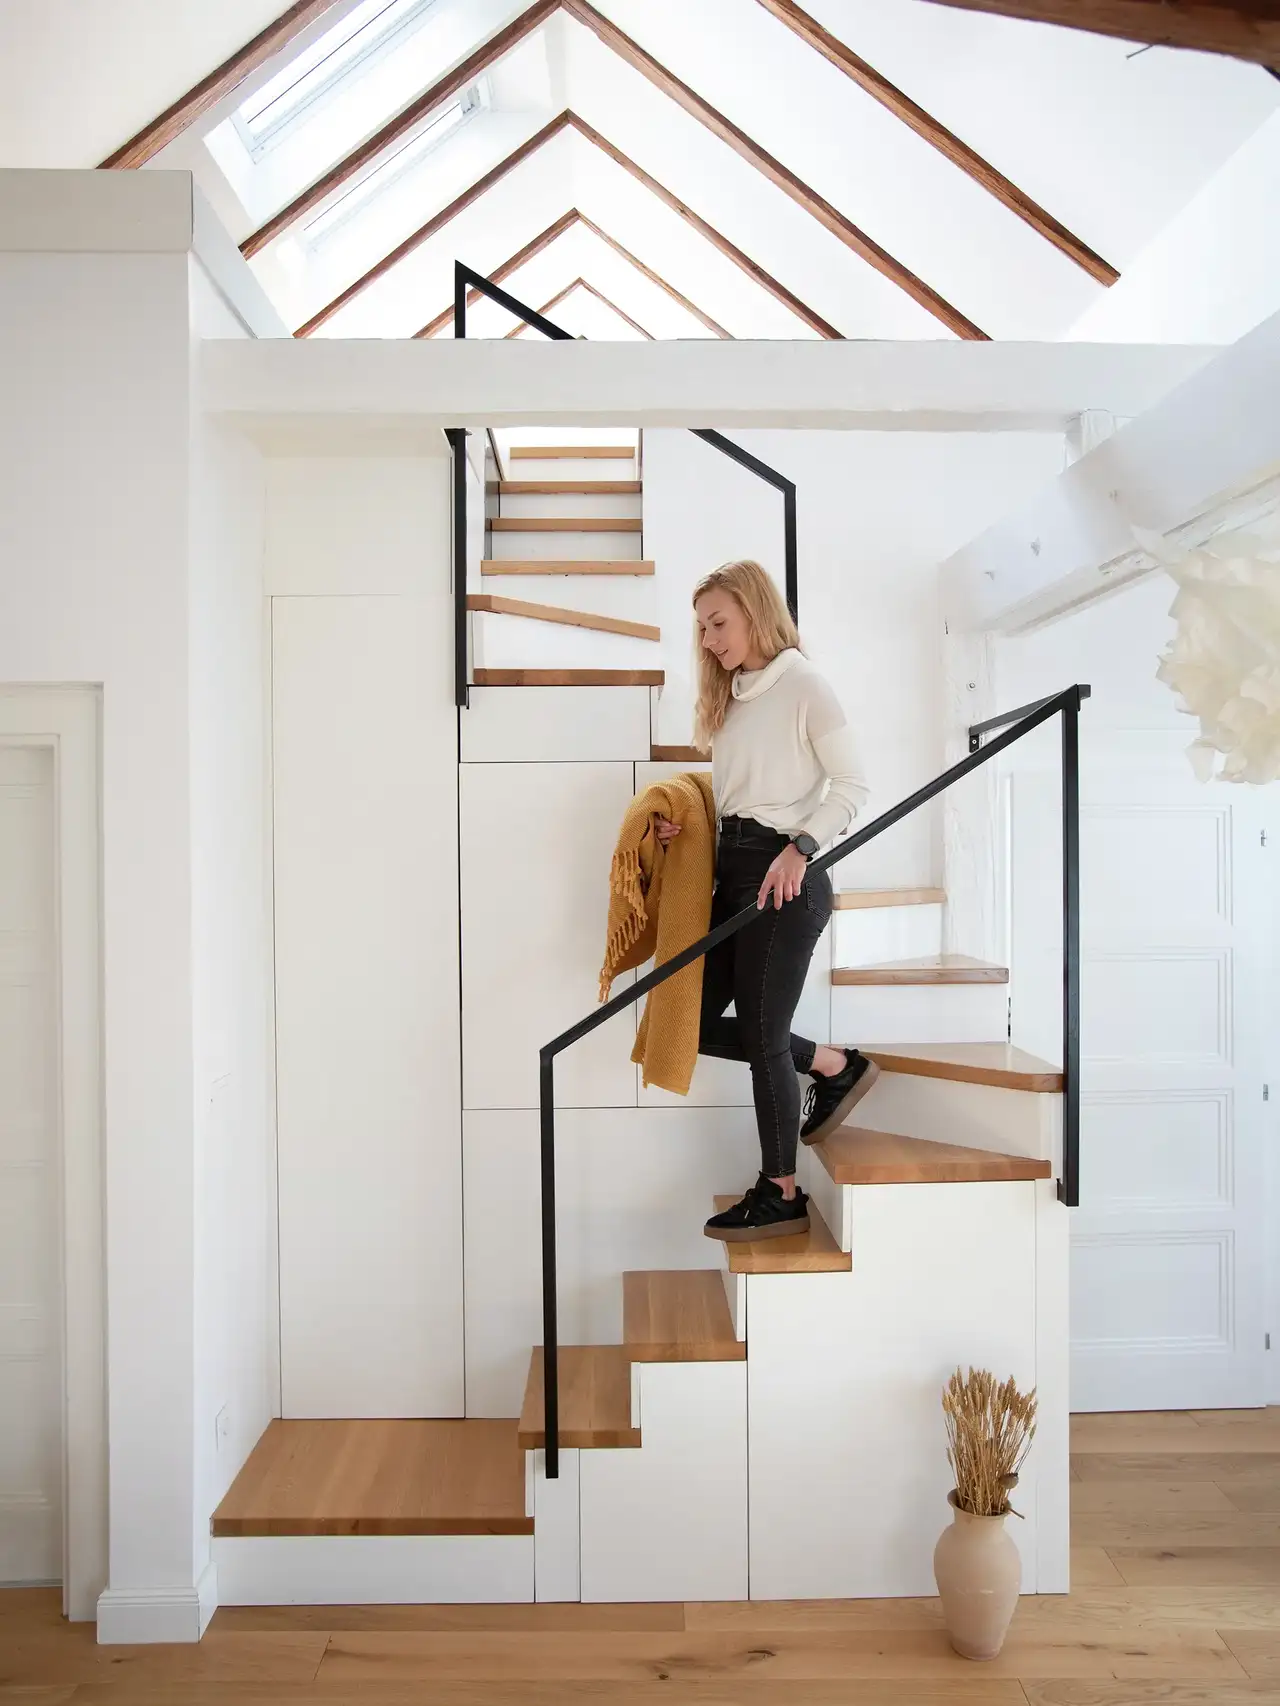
x=990, y=1428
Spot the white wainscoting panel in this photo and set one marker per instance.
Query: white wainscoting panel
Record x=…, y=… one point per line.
x=669, y=1522
x=537, y=842
x=634, y=1188
x=367, y=1062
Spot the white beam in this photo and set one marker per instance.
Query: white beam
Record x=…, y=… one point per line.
x=1208, y=454
x=387, y=386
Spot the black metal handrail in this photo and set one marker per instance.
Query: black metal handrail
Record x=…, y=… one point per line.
x=1067, y=704
x=466, y=280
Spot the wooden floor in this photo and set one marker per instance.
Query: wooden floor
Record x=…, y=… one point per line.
x=1176, y=1603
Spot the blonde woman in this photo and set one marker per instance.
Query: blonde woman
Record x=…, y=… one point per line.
x=786, y=782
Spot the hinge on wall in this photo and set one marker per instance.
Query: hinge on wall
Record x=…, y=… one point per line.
x=1008, y=1017
x=1267, y=1337
x=1266, y=1092
x=1263, y=838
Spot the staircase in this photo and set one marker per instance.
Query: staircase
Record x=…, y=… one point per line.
x=766, y=1422
x=567, y=597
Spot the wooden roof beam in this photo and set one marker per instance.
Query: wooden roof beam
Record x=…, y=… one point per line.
x=544, y=238
x=1242, y=29
x=581, y=284
x=851, y=235
x=936, y=134
x=215, y=87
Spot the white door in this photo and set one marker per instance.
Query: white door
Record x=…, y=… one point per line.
x=1168, y=1254
x=30, y=1263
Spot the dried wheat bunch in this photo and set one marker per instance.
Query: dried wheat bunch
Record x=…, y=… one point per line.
x=990, y=1429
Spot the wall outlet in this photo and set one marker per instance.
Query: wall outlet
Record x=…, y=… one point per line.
x=222, y=1426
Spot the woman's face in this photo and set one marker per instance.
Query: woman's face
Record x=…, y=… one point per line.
x=723, y=625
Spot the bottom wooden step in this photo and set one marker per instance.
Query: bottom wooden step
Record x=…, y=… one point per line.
x=378, y=1477
x=595, y=1399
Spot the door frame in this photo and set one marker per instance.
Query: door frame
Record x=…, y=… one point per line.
x=67, y=720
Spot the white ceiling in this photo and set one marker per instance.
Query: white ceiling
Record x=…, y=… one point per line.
x=1112, y=142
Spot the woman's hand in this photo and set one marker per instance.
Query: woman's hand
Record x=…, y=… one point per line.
x=667, y=831
x=784, y=878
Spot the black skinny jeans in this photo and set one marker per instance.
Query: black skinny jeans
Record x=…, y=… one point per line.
x=762, y=970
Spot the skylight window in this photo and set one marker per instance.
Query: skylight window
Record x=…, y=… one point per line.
x=288, y=99
x=442, y=123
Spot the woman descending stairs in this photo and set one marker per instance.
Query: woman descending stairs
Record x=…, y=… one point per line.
x=566, y=596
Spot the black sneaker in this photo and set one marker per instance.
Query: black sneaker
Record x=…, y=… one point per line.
x=829, y=1100
x=763, y=1213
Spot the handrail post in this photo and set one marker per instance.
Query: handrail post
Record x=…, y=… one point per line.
x=791, y=549
x=550, y=1344
x=1069, y=1184
x=457, y=438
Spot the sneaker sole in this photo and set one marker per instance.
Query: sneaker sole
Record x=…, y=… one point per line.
x=753, y=1234
x=840, y=1113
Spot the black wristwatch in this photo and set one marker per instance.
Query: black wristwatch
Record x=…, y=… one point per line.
x=804, y=844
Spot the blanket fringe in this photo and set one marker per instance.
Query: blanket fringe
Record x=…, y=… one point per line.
x=624, y=880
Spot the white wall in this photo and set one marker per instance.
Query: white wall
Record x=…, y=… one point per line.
x=876, y=513
x=93, y=488
x=234, y=1225
x=1213, y=273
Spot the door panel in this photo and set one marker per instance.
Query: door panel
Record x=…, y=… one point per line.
x=30, y=1337
x=1168, y=1254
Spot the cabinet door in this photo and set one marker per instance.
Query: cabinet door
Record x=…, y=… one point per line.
x=367, y=1027
x=537, y=841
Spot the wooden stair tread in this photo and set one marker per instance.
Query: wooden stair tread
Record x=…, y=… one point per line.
x=379, y=1477
x=564, y=566
x=678, y=755
x=595, y=1399
x=557, y=488
x=857, y=900
x=811, y=1252
x=930, y=968
x=498, y=606
x=569, y=677
x=580, y=452
x=673, y=1316
x=565, y=523
x=1000, y=1064
x=854, y=1156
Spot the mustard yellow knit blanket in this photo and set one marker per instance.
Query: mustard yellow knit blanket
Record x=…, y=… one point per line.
x=660, y=902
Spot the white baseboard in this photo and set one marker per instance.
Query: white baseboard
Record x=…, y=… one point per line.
x=361, y=1569
x=138, y=1616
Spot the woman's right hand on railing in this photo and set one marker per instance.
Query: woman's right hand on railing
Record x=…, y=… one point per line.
x=667, y=831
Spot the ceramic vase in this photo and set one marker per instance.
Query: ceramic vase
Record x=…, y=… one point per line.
x=978, y=1572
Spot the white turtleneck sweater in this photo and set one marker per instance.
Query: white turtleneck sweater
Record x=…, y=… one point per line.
x=785, y=755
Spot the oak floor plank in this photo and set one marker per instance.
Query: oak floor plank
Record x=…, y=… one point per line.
x=1220, y=1693
x=1141, y=1498
x=71, y=1655
x=1176, y=1529
x=1174, y=1465
x=1247, y=1492
x=1092, y=1568
x=1197, y=1566
x=700, y=1691
x=812, y=1655
x=535, y=1619
x=1258, y=1650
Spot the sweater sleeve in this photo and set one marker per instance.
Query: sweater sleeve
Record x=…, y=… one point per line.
x=833, y=745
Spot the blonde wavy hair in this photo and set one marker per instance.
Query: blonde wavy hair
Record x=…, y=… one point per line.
x=768, y=622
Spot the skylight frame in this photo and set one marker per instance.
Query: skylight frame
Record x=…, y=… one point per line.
x=385, y=40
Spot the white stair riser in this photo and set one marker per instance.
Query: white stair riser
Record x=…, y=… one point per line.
x=547, y=725
x=985, y=1116
x=669, y=1521
x=569, y=503
x=920, y=1013
x=570, y=468
x=575, y=547
x=367, y=1569
x=887, y=933
x=519, y=642
x=634, y=597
